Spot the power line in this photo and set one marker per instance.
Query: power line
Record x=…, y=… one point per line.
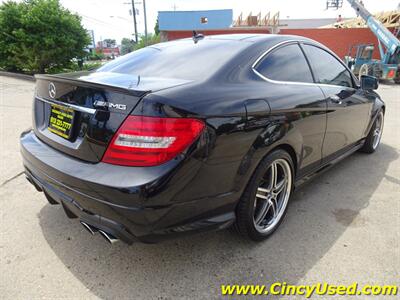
x=111, y=27
x=102, y=23
x=96, y=20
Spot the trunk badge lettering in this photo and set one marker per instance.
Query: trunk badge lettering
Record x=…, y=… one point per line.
x=110, y=105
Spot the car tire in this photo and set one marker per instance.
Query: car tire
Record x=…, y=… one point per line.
x=365, y=69
x=397, y=78
x=374, y=136
x=264, y=202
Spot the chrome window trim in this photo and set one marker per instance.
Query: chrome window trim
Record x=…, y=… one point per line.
x=288, y=42
x=91, y=111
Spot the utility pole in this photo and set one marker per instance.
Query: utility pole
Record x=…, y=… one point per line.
x=145, y=21
x=134, y=20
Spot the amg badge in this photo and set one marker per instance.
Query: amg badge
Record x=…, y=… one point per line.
x=110, y=105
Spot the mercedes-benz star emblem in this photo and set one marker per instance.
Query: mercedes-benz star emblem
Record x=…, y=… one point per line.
x=52, y=90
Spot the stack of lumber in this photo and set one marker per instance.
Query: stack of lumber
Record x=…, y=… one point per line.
x=390, y=19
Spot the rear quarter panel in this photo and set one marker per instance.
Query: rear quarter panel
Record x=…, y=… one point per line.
x=241, y=130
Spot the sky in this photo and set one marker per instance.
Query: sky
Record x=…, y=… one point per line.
x=111, y=18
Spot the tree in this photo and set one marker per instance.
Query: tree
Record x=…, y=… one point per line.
x=157, y=28
x=151, y=40
x=39, y=34
x=110, y=43
x=127, y=46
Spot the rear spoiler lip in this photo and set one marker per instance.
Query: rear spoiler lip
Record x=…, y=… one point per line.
x=92, y=84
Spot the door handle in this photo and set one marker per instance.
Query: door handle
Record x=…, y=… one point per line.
x=335, y=99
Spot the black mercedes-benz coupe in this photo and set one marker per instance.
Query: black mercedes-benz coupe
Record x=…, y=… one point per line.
x=196, y=134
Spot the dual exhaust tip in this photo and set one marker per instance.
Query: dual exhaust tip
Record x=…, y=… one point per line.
x=92, y=230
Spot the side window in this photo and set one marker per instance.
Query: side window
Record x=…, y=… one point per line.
x=326, y=68
x=285, y=64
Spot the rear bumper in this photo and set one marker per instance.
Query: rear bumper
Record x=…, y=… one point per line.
x=130, y=203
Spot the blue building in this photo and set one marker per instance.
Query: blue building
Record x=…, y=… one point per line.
x=195, y=20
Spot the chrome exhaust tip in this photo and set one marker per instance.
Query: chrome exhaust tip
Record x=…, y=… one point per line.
x=109, y=237
x=89, y=228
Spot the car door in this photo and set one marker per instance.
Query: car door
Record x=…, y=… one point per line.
x=348, y=110
x=295, y=101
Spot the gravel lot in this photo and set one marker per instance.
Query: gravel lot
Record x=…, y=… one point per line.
x=343, y=227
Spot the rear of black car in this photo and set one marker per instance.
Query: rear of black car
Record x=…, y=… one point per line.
x=115, y=168
x=89, y=154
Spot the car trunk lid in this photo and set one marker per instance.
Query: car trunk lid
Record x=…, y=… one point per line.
x=79, y=113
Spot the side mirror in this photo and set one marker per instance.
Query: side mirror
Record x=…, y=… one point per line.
x=369, y=83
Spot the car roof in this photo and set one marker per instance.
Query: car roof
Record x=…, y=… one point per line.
x=245, y=39
x=251, y=37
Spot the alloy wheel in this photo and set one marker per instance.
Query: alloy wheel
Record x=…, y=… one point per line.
x=272, y=196
x=377, y=133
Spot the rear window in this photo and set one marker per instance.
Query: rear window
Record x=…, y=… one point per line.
x=182, y=59
x=286, y=63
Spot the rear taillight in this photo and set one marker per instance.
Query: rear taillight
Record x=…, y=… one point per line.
x=151, y=141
